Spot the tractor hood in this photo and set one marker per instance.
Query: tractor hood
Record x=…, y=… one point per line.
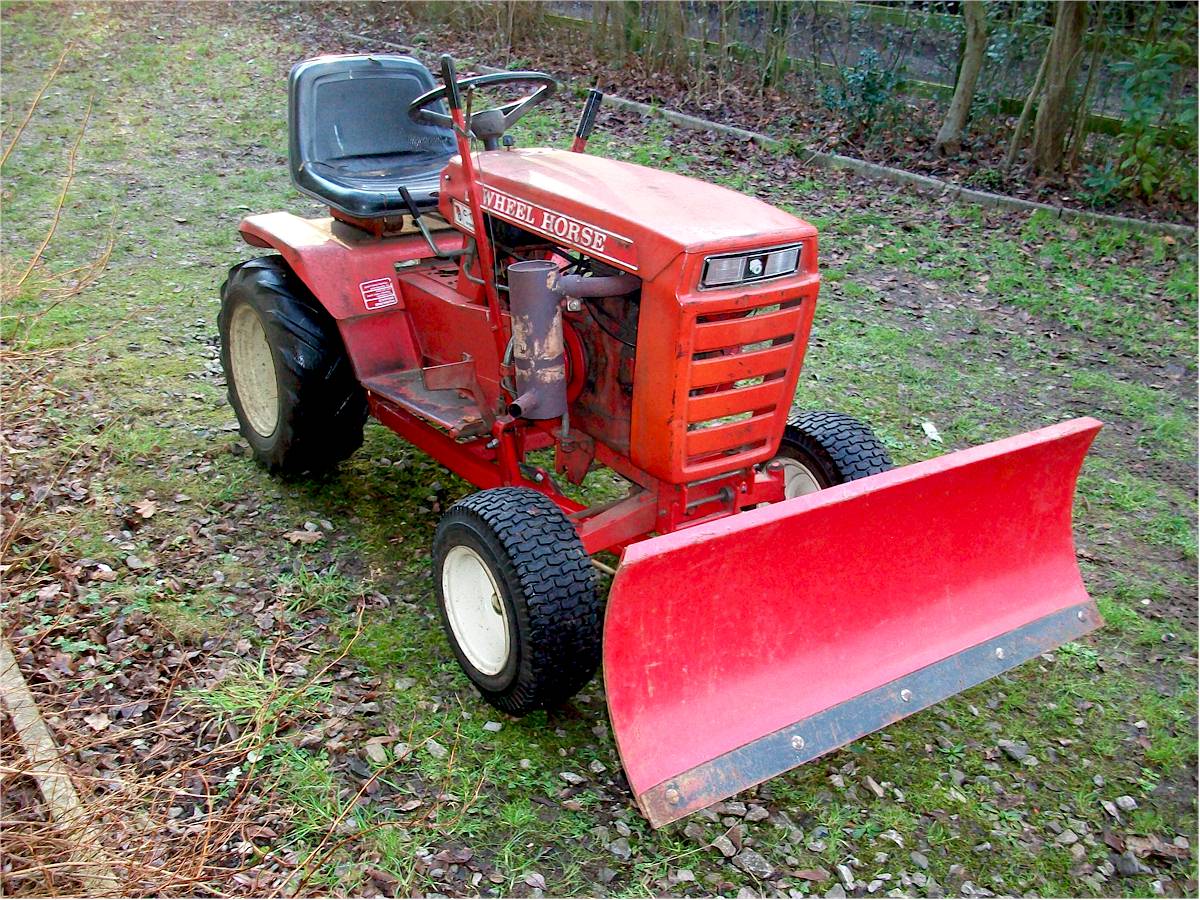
x=637, y=218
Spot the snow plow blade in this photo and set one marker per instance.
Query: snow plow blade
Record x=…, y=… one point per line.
x=739, y=649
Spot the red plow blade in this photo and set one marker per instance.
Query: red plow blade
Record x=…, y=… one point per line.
x=739, y=649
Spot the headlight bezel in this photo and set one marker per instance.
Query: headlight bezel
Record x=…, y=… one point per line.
x=747, y=257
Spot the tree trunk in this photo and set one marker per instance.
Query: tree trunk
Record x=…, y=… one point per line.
x=601, y=39
x=1062, y=62
x=949, y=136
x=1026, y=111
x=775, y=59
x=668, y=47
x=632, y=26
x=1080, y=127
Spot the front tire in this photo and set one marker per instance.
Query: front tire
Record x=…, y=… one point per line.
x=821, y=449
x=297, y=400
x=517, y=596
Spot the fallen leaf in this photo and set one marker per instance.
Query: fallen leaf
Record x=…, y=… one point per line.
x=931, y=432
x=145, y=508
x=812, y=874
x=97, y=721
x=104, y=573
x=535, y=880
x=304, y=537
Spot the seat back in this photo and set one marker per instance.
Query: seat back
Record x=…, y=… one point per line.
x=348, y=122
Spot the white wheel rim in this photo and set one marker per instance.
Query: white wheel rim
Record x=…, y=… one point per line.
x=475, y=610
x=798, y=479
x=253, y=372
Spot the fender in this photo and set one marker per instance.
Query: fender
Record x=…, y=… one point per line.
x=352, y=274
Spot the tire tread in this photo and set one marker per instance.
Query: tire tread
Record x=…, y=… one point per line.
x=324, y=407
x=849, y=445
x=542, y=555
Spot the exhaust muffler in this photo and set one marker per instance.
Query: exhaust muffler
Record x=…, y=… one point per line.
x=535, y=292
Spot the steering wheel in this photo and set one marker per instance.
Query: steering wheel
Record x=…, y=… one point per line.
x=486, y=124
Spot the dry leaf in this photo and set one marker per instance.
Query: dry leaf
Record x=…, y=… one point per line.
x=97, y=721
x=304, y=537
x=104, y=573
x=376, y=752
x=146, y=508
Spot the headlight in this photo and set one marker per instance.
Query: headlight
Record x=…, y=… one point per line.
x=736, y=268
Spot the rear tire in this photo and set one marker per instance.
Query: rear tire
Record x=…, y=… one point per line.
x=298, y=402
x=517, y=596
x=821, y=449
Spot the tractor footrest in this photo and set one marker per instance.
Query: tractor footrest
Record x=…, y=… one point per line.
x=448, y=409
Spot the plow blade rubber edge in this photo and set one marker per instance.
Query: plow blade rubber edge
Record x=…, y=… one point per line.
x=739, y=649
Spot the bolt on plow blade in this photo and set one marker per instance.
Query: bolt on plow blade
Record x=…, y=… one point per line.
x=739, y=649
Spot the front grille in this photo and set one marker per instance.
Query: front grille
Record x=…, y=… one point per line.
x=739, y=384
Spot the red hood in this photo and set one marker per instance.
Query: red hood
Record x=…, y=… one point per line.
x=636, y=217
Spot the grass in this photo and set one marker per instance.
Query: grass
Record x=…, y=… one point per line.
x=258, y=700
x=982, y=325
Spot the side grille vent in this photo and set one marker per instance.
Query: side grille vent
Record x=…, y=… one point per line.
x=738, y=378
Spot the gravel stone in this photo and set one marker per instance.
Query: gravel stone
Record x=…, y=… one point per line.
x=620, y=848
x=753, y=863
x=1128, y=865
x=434, y=749
x=1066, y=838
x=756, y=813
x=846, y=875
x=1126, y=803
x=725, y=845
x=492, y=726
x=1014, y=750
x=920, y=860
x=571, y=778
x=836, y=891
x=694, y=831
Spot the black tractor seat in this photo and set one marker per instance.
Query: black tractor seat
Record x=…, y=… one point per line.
x=352, y=144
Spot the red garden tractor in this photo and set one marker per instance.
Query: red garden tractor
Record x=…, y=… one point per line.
x=782, y=590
